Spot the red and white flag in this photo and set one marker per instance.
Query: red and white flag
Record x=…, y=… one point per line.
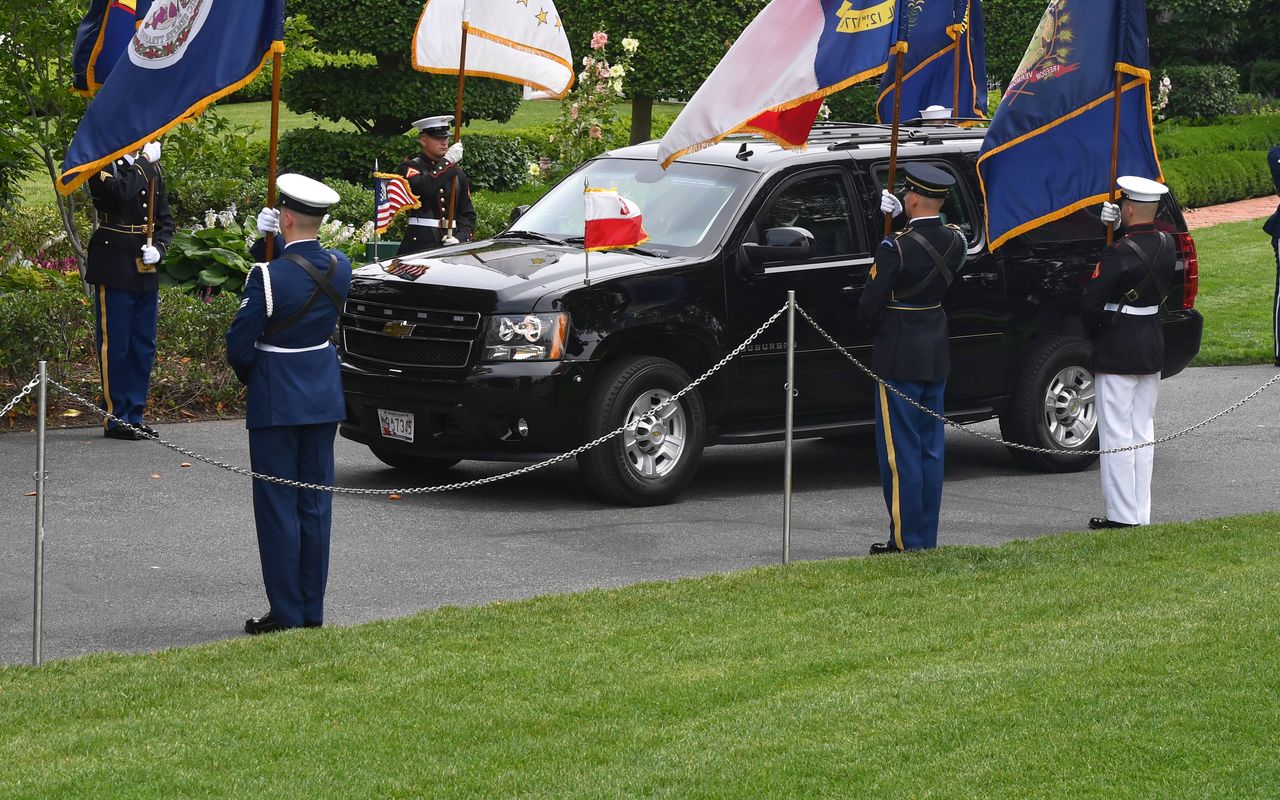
x=612, y=221
x=393, y=195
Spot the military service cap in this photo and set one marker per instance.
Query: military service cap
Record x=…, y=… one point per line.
x=435, y=126
x=305, y=195
x=1141, y=190
x=926, y=180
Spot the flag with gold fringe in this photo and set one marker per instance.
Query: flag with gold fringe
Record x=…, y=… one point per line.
x=933, y=30
x=185, y=55
x=101, y=38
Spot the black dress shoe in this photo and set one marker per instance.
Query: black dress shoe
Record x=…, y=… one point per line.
x=1097, y=523
x=266, y=624
x=880, y=548
x=147, y=429
x=313, y=624
x=124, y=434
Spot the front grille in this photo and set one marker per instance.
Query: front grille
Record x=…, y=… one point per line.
x=411, y=337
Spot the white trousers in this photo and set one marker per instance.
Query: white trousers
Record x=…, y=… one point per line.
x=1126, y=416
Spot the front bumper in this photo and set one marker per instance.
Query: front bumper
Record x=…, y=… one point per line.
x=475, y=416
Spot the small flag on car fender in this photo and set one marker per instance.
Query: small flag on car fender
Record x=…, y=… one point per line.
x=612, y=221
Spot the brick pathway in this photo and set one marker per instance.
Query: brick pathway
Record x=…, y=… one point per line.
x=1257, y=208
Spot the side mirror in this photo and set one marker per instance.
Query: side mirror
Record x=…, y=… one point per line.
x=516, y=213
x=780, y=244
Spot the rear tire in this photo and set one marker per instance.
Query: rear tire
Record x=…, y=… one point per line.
x=654, y=463
x=1054, y=407
x=422, y=465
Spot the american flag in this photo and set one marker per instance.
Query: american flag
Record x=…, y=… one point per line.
x=391, y=196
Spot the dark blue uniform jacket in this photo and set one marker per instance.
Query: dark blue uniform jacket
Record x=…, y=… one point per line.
x=301, y=387
x=121, y=195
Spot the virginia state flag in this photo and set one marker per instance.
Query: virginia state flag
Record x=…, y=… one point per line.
x=1048, y=151
x=101, y=38
x=773, y=79
x=185, y=55
x=933, y=30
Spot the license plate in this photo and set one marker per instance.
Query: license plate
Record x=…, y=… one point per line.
x=396, y=424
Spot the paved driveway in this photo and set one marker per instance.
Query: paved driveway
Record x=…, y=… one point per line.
x=142, y=553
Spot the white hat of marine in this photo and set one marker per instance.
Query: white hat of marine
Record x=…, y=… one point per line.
x=434, y=126
x=1141, y=190
x=305, y=195
x=935, y=112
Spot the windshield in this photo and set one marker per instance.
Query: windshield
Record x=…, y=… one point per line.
x=685, y=208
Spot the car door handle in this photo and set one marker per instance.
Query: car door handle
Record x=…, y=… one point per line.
x=857, y=287
x=979, y=277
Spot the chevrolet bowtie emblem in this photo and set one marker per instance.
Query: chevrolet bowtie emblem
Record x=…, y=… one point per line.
x=398, y=329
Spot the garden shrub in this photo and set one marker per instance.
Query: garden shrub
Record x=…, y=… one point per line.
x=1235, y=133
x=53, y=324
x=1204, y=180
x=33, y=234
x=216, y=164
x=855, y=104
x=493, y=209
x=1202, y=91
x=1264, y=77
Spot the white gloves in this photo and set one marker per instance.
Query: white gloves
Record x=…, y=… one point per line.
x=150, y=255
x=1110, y=213
x=449, y=239
x=454, y=153
x=890, y=204
x=151, y=151
x=268, y=221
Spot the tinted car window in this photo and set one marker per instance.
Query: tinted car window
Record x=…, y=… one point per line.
x=686, y=208
x=820, y=205
x=955, y=211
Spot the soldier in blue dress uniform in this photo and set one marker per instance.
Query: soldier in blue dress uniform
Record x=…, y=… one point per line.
x=129, y=195
x=902, y=307
x=279, y=346
x=435, y=176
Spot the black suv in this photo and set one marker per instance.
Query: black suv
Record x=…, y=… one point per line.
x=518, y=348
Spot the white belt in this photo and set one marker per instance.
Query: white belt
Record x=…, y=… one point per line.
x=271, y=348
x=426, y=222
x=1137, y=311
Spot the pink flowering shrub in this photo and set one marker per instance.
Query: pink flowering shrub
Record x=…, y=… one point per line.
x=586, y=113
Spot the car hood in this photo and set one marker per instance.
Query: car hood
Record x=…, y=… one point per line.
x=509, y=272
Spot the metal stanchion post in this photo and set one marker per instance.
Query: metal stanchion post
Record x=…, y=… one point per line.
x=38, y=611
x=790, y=406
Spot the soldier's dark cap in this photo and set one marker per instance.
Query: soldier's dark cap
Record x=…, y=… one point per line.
x=927, y=181
x=435, y=126
x=305, y=195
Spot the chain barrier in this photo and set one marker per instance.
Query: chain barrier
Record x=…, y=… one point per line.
x=1016, y=445
x=26, y=390
x=654, y=413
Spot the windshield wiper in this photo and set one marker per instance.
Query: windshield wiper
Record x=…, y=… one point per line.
x=644, y=251
x=539, y=237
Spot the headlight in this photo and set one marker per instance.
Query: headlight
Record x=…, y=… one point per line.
x=532, y=337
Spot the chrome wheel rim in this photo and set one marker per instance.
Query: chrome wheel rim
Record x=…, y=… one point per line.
x=1070, y=408
x=657, y=442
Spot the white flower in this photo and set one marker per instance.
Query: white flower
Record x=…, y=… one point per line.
x=225, y=218
x=630, y=45
x=616, y=85
x=582, y=76
x=534, y=171
x=210, y=217
x=617, y=71
x=825, y=110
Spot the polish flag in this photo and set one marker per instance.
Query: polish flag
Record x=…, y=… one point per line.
x=612, y=221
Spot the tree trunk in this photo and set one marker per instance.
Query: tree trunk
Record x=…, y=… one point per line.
x=641, y=118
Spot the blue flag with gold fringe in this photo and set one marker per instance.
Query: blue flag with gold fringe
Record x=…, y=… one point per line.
x=934, y=30
x=101, y=38
x=1048, y=151
x=185, y=55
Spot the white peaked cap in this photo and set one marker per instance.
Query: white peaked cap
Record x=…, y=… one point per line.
x=305, y=195
x=1141, y=190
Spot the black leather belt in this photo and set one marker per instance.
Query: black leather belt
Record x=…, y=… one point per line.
x=120, y=224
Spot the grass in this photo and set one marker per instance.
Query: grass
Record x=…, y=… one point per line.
x=1237, y=282
x=1118, y=664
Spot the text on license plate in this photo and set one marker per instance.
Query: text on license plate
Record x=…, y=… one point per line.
x=396, y=424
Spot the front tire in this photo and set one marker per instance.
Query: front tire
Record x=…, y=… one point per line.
x=1054, y=407
x=652, y=464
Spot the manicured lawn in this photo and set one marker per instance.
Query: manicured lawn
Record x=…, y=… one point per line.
x=1116, y=664
x=1237, y=282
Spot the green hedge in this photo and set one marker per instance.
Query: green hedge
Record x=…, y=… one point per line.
x=1204, y=180
x=1264, y=78
x=1202, y=92
x=492, y=161
x=1232, y=133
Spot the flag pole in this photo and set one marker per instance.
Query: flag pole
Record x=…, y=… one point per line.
x=586, y=254
x=457, y=115
x=900, y=49
x=955, y=103
x=377, y=256
x=274, y=147
x=1115, y=151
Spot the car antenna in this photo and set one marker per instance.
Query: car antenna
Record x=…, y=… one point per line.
x=743, y=153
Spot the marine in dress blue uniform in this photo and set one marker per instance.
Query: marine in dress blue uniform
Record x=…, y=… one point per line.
x=279, y=346
x=1272, y=227
x=435, y=176
x=1120, y=309
x=122, y=269
x=902, y=307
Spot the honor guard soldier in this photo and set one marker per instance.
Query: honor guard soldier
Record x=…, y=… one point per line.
x=1121, y=308
x=279, y=346
x=439, y=183
x=902, y=307
x=1272, y=227
x=134, y=230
